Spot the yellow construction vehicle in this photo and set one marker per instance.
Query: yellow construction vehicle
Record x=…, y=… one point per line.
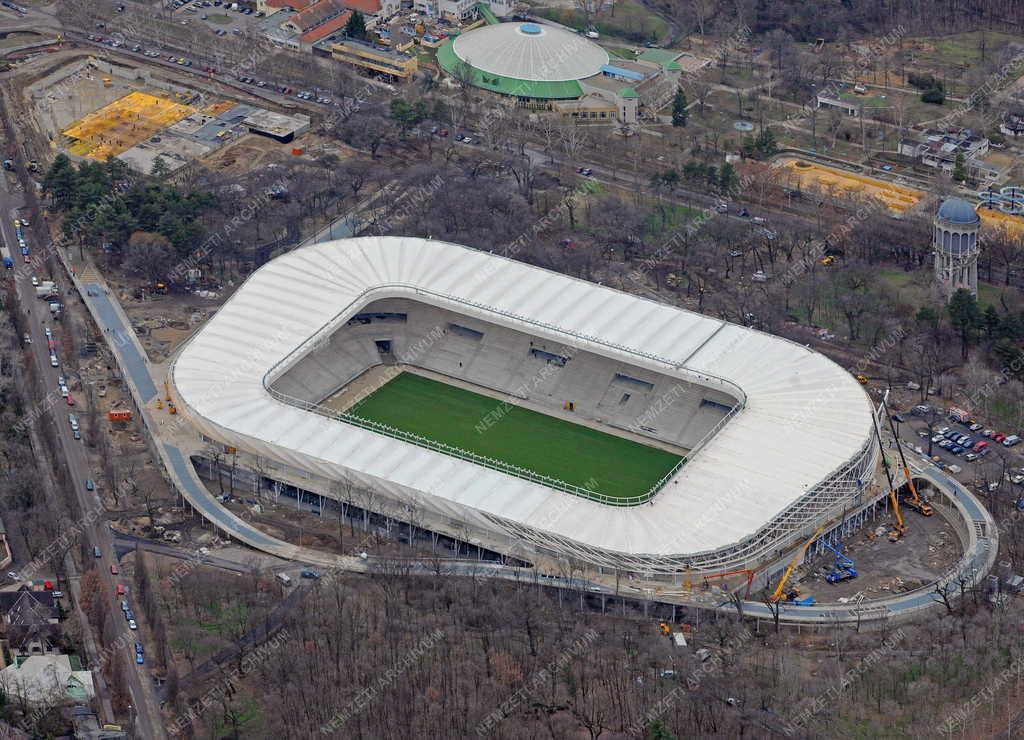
x=900, y=528
x=916, y=503
x=793, y=594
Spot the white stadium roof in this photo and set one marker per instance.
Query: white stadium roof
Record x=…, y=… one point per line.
x=530, y=51
x=804, y=418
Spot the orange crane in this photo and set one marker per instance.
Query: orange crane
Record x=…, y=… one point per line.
x=793, y=594
x=749, y=573
x=916, y=503
x=901, y=527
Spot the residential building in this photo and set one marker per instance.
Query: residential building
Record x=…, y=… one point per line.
x=47, y=680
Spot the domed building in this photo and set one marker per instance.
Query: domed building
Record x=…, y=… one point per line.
x=549, y=67
x=955, y=240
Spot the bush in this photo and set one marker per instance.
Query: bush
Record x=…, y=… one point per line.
x=935, y=96
x=924, y=81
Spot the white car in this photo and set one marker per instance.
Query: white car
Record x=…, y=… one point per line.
x=24, y=222
x=53, y=361
x=49, y=334
x=132, y=625
x=937, y=438
x=64, y=391
x=27, y=339
x=61, y=381
x=954, y=469
x=1017, y=478
x=35, y=281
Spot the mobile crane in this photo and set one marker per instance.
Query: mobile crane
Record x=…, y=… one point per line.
x=793, y=594
x=916, y=503
x=900, y=528
x=843, y=569
x=745, y=571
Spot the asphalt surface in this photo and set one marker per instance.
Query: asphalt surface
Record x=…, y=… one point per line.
x=94, y=530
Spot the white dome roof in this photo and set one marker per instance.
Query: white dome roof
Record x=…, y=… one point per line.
x=530, y=51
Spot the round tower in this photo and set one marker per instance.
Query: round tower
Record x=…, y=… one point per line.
x=955, y=240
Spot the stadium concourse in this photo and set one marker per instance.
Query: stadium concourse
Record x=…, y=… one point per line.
x=768, y=438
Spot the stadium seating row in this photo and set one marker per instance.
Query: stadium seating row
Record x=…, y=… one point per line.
x=511, y=362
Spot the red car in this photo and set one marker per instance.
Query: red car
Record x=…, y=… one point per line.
x=51, y=344
x=998, y=437
x=71, y=401
x=113, y=572
x=120, y=588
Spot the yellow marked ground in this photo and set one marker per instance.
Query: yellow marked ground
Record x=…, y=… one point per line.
x=999, y=220
x=809, y=174
x=124, y=123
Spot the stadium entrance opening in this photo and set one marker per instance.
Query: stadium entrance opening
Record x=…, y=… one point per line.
x=383, y=346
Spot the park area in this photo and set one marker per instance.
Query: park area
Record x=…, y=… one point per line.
x=545, y=445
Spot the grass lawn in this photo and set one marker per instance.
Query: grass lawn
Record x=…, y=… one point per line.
x=628, y=19
x=913, y=287
x=543, y=444
x=218, y=18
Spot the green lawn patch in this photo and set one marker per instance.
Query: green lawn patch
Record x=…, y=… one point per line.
x=218, y=18
x=545, y=445
x=627, y=19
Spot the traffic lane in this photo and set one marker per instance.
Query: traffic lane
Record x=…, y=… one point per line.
x=134, y=362
x=74, y=453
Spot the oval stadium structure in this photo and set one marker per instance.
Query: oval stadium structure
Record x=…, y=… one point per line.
x=518, y=405
x=525, y=60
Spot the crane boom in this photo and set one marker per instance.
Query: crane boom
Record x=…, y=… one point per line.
x=901, y=526
x=777, y=594
x=916, y=502
x=744, y=571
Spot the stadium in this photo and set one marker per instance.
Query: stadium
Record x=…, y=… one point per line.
x=542, y=66
x=529, y=407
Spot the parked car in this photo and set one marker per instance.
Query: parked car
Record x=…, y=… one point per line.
x=1011, y=440
x=1017, y=478
x=971, y=457
x=89, y=485
x=999, y=437
x=975, y=427
x=96, y=551
x=113, y=569
x=120, y=590
x=132, y=625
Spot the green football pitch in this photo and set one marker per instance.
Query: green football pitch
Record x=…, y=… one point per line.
x=571, y=453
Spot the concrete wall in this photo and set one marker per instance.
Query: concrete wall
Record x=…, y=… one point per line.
x=505, y=360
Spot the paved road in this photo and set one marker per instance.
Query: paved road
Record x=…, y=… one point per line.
x=95, y=531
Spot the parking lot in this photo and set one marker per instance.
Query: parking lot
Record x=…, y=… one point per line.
x=975, y=454
x=221, y=17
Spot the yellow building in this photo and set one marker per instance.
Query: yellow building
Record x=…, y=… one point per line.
x=373, y=57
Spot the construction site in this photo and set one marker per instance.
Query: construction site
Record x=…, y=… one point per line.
x=94, y=109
